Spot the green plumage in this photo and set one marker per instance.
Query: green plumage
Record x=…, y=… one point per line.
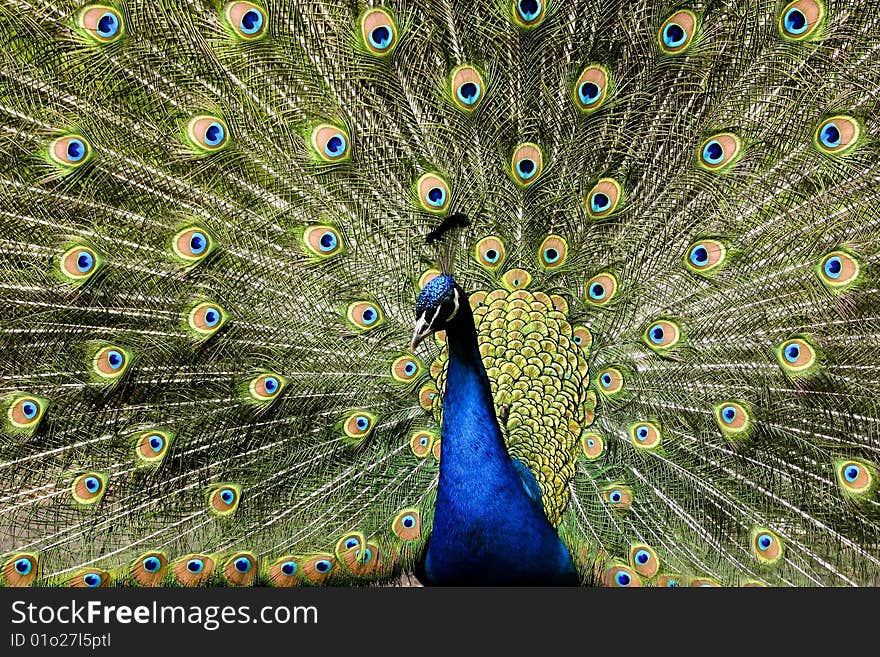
x=212, y=222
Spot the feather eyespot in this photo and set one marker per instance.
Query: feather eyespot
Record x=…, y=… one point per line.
x=604, y=198
x=601, y=289
x=206, y=318
x=379, y=31
x=528, y=13
x=516, y=279
x=677, y=32
x=433, y=193
x=150, y=568
x=150, y=447
x=318, y=568
x=582, y=337
x=241, y=569
x=330, y=143
x=618, y=496
x=193, y=569
x=526, y=164
x=620, y=576
x=25, y=412
x=720, y=151
x=592, y=88
x=192, y=244
x=323, y=241
x=837, y=135
x=801, y=18
x=89, y=488
x=364, y=316
x=90, y=579
x=111, y=362
x=101, y=23
x=223, y=499
x=766, y=546
x=796, y=356
x=610, y=381
x=406, y=368
x=838, y=270
x=734, y=419
x=592, y=444
x=856, y=478
x=358, y=426
x=246, y=20
x=553, y=252
x=207, y=133
x=407, y=525
x=490, y=252
x=284, y=572
x=467, y=87
x=266, y=387
x=644, y=435
x=643, y=558
x=705, y=255
x=20, y=570
x=428, y=395
x=662, y=335
x=79, y=263
x=421, y=442
x=70, y=151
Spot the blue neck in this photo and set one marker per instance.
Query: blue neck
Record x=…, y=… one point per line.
x=487, y=529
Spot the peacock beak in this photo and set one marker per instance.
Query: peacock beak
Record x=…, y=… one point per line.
x=422, y=331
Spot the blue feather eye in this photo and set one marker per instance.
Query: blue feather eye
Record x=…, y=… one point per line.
x=23, y=566
x=720, y=151
x=358, y=426
x=620, y=576
x=91, y=580
x=466, y=85
x=70, y=151
x=197, y=243
x=195, y=566
x=150, y=446
x=330, y=143
x=601, y=289
x=151, y=564
x=832, y=267
x=433, y=192
x=223, y=499
x=88, y=488
x=408, y=521
x=677, y=32
x=604, y=198
x=526, y=164
x=92, y=484
x=351, y=543
x=242, y=564
x=364, y=316
x=800, y=19
x=837, y=135
x=728, y=414
x=246, y=20
x=207, y=134
x=76, y=150
x=589, y=93
x=615, y=496
x=699, y=256
x=288, y=568
x=792, y=352
x=379, y=31
x=528, y=13
x=851, y=473
x=599, y=202
x=405, y=368
x=764, y=541
x=215, y=133
x=328, y=241
x=553, y=252
x=705, y=255
x=610, y=381
x=323, y=565
x=101, y=23
x=713, y=152
x=642, y=557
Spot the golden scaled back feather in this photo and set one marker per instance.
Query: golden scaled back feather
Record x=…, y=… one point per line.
x=212, y=237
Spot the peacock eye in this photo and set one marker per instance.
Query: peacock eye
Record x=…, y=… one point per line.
x=92, y=580
x=623, y=579
x=645, y=435
x=206, y=318
x=728, y=414
x=796, y=356
x=642, y=557
x=247, y=20
x=288, y=568
x=601, y=289
x=490, y=253
x=88, y=488
x=615, y=496
x=330, y=143
x=351, y=543
x=801, y=18
x=103, y=24
x=720, y=151
x=266, y=387
x=526, y=164
x=528, y=13
x=151, y=564
x=364, y=315
x=837, y=135
x=604, y=198
x=242, y=564
x=466, y=84
x=553, y=252
x=408, y=521
x=207, y=133
x=705, y=255
x=405, y=369
x=224, y=499
x=26, y=411
x=765, y=541
x=23, y=566
x=379, y=31
x=70, y=151
x=323, y=565
x=677, y=32
x=358, y=426
x=433, y=192
x=195, y=566
x=662, y=335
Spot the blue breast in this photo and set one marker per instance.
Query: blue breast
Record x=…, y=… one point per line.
x=489, y=528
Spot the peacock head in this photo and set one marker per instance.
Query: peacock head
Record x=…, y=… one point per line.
x=437, y=305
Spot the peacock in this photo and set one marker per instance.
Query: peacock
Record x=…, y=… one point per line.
x=346, y=292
